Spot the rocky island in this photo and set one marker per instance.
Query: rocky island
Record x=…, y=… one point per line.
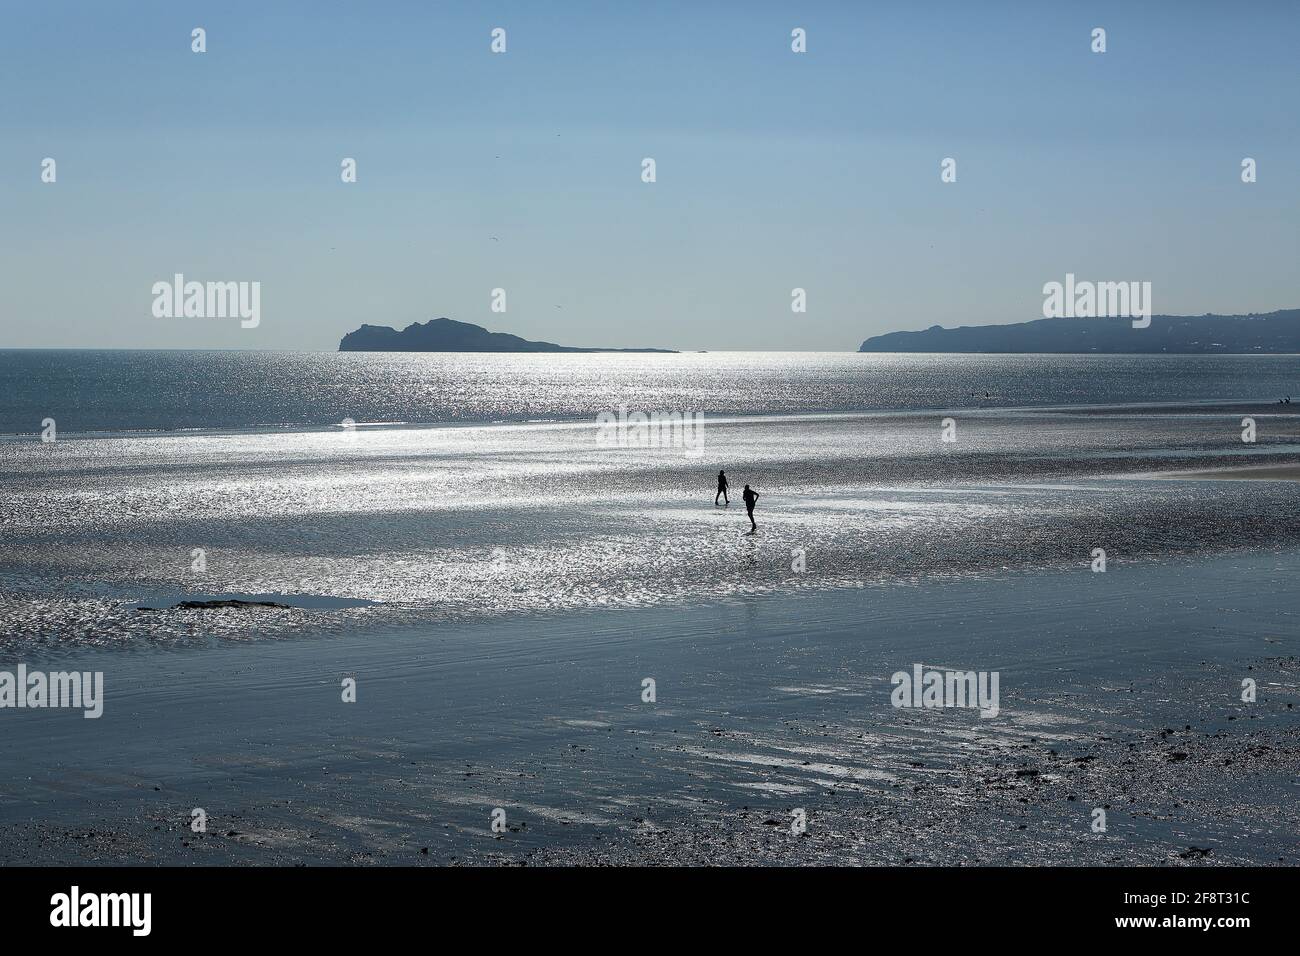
x=448, y=335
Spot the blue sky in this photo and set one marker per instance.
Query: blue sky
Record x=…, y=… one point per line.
x=775, y=170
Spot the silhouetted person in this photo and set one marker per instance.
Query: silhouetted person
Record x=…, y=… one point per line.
x=750, y=497
x=722, y=489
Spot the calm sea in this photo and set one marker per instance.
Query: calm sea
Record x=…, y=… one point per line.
x=107, y=391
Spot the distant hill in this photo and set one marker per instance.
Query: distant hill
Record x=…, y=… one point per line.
x=1169, y=334
x=448, y=335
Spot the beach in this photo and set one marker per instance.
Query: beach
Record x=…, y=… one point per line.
x=785, y=444
x=405, y=525
x=1119, y=691
x=500, y=593
x=1254, y=473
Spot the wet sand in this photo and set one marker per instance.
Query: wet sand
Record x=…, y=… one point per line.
x=398, y=527
x=1185, y=409
x=1119, y=691
x=500, y=644
x=1250, y=473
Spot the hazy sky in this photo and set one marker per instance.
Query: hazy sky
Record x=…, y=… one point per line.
x=775, y=170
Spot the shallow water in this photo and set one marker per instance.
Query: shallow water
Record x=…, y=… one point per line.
x=457, y=523
x=763, y=705
x=480, y=560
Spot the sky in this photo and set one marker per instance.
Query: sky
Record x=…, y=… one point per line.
x=522, y=170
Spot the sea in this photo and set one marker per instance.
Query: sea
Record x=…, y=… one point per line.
x=118, y=391
x=374, y=491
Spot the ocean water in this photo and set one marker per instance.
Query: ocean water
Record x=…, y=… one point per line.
x=509, y=501
x=111, y=391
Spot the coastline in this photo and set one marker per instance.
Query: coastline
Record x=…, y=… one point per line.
x=763, y=706
x=1288, y=472
x=500, y=593
x=378, y=529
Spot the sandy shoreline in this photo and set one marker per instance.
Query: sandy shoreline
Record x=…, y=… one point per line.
x=1248, y=473
x=447, y=526
x=500, y=597
x=1119, y=691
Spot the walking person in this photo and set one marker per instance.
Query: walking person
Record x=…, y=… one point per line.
x=722, y=490
x=750, y=496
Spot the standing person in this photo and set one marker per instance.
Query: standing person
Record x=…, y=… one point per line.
x=750, y=497
x=722, y=490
